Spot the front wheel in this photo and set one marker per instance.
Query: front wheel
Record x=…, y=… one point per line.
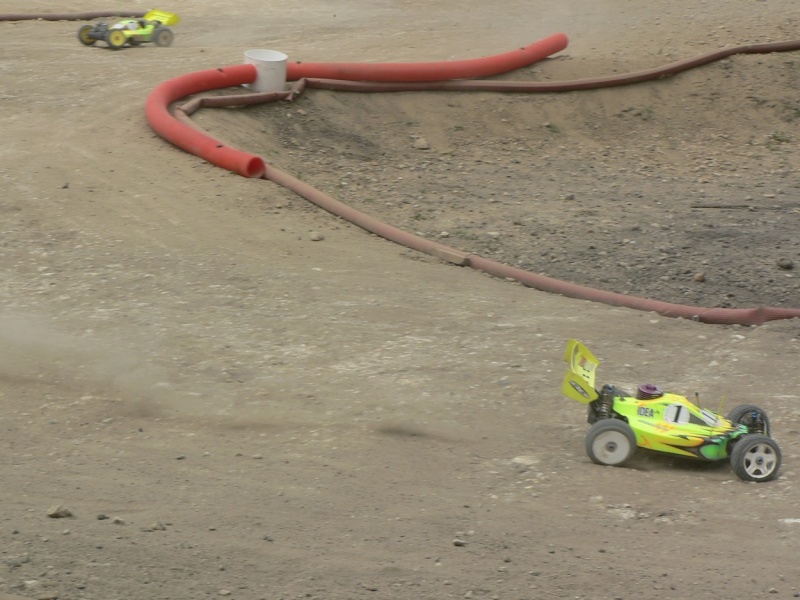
x=756, y=457
x=116, y=39
x=163, y=36
x=753, y=417
x=610, y=442
x=84, y=37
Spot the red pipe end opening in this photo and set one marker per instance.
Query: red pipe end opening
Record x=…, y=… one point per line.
x=255, y=168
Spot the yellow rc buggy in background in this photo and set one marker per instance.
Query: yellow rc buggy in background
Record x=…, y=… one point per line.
x=668, y=423
x=153, y=27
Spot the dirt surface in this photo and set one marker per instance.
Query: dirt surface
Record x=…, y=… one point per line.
x=237, y=395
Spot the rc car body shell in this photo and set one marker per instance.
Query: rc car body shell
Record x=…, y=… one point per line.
x=667, y=422
x=673, y=424
x=153, y=27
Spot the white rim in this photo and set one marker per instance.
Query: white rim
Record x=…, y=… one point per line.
x=611, y=447
x=760, y=461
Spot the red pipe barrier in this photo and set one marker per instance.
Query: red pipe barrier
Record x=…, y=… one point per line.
x=431, y=71
x=192, y=139
x=84, y=16
x=201, y=144
x=550, y=86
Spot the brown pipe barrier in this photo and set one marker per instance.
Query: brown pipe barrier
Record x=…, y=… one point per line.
x=742, y=316
x=84, y=16
x=721, y=316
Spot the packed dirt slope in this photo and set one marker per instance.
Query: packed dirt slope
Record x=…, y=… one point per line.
x=237, y=395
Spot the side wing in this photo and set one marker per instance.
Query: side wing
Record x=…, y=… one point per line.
x=579, y=379
x=165, y=18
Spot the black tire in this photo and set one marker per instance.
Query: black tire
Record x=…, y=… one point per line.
x=610, y=442
x=116, y=39
x=756, y=457
x=83, y=35
x=754, y=417
x=163, y=36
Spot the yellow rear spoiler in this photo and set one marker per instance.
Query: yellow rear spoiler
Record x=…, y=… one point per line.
x=579, y=379
x=165, y=18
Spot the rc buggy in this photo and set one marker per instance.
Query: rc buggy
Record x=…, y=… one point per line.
x=153, y=27
x=666, y=422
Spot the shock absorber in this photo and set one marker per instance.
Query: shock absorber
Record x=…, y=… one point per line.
x=605, y=402
x=758, y=422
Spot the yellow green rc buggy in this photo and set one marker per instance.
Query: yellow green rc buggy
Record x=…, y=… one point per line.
x=153, y=27
x=666, y=422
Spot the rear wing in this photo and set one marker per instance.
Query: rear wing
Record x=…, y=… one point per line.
x=165, y=18
x=579, y=379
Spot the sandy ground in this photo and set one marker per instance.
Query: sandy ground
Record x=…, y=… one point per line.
x=230, y=406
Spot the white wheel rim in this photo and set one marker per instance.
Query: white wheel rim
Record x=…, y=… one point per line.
x=760, y=461
x=611, y=447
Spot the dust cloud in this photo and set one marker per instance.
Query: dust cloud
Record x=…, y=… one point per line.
x=32, y=351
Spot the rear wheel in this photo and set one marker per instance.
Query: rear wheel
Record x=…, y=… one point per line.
x=163, y=36
x=610, y=442
x=116, y=39
x=756, y=457
x=753, y=417
x=83, y=35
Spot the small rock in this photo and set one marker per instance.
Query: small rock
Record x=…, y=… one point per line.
x=59, y=512
x=33, y=585
x=700, y=277
x=421, y=144
x=102, y=517
x=786, y=263
x=459, y=542
x=316, y=236
x=224, y=592
x=118, y=521
x=158, y=526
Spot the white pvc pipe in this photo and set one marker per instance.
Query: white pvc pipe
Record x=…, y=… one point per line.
x=271, y=70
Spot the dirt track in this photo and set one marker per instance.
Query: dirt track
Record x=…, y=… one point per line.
x=262, y=415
